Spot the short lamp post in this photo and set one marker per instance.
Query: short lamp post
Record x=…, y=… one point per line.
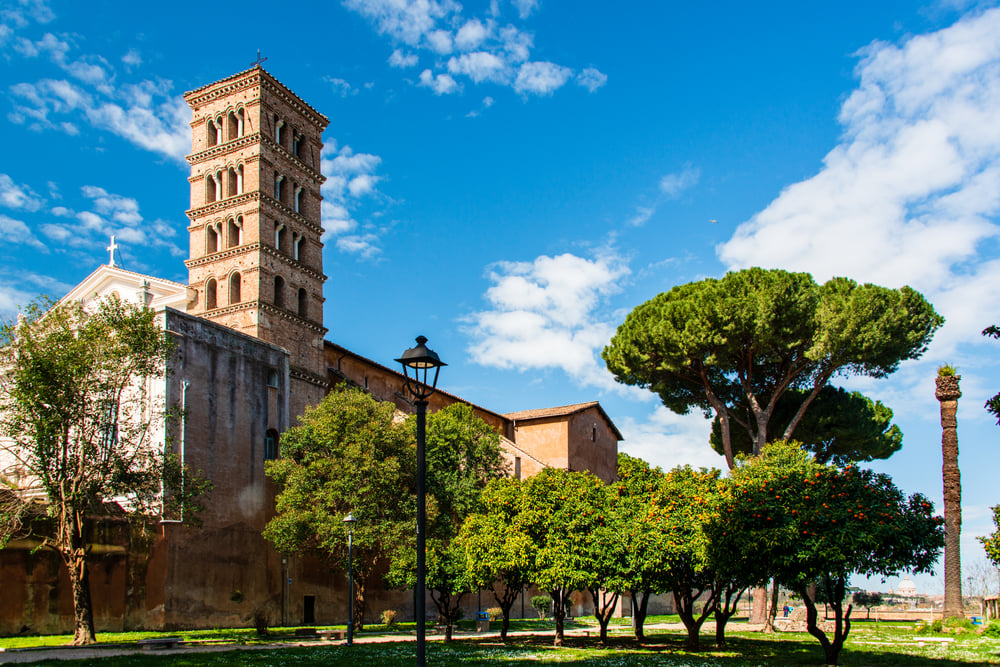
x=417, y=363
x=349, y=521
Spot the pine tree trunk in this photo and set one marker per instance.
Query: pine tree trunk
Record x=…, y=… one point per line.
x=948, y=393
x=83, y=615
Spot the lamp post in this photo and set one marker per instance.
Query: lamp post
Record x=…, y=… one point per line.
x=349, y=521
x=417, y=363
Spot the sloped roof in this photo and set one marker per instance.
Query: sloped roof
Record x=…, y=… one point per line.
x=563, y=411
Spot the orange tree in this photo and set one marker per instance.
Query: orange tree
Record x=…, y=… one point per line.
x=577, y=545
x=499, y=554
x=782, y=514
x=638, y=500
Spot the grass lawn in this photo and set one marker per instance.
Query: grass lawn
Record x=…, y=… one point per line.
x=884, y=645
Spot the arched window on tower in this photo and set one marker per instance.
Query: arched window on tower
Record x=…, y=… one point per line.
x=234, y=233
x=234, y=288
x=297, y=144
x=218, y=186
x=211, y=293
x=209, y=189
x=240, y=122
x=281, y=238
x=270, y=445
x=211, y=137
x=239, y=180
x=279, y=291
x=296, y=243
x=233, y=130
x=231, y=177
x=298, y=198
x=279, y=130
x=303, y=302
x=279, y=186
x=211, y=239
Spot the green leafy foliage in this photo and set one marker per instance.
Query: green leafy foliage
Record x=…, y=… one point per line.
x=348, y=456
x=991, y=543
x=499, y=553
x=576, y=538
x=783, y=514
x=79, y=414
x=734, y=346
x=840, y=427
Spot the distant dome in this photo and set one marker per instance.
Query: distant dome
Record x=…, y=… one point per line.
x=906, y=587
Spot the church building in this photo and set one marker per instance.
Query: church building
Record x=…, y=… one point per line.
x=251, y=354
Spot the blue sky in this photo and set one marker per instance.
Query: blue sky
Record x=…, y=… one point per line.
x=511, y=178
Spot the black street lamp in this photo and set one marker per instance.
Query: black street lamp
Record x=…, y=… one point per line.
x=418, y=361
x=349, y=521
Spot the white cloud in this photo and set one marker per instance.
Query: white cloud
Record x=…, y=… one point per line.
x=642, y=216
x=548, y=313
x=341, y=86
x=16, y=196
x=119, y=208
x=495, y=52
x=541, y=78
x=402, y=59
x=591, y=79
x=471, y=35
x=674, y=185
x=667, y=439
x=441, y=84
x=132, y=59
x=480, y=66
x=525, y=7
x=15, y=231
x=350, y=177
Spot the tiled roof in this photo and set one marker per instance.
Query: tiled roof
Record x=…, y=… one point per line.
x=563, y=411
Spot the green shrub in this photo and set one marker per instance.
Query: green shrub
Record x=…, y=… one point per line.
x=959, y=625
x=542, y=604
x=992, y=630
x=389, y=618
x=496, y=613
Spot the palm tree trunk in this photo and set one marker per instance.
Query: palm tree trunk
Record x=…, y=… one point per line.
x=948, y=393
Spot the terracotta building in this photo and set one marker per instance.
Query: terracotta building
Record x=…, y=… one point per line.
x=251, y=355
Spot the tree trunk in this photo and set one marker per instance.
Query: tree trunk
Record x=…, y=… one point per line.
x=727, y=601
x=604, y=607
x=948, y=393
x=83, y=615
x=505, y=601
x=558, y=613
x=772, y=609
x=758, y=606
x=640, y=602
x=842, y=623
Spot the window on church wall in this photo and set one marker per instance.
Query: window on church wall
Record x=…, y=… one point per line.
x=281, y=238
x=279, y=131
x=234, y=126
x=279, y=291
x=297, y=248
x=298, y=198
x=209, y=189
x=211, y=291
x=517, y=467
x=233, y=233
x=279, y=187
x=234, y=288
x=239, y=180
x=231, y=177
x=211, y=138
x=218, y=186
x=297, y=145
x=211, y=239
x=303, y=305
x=270, y=445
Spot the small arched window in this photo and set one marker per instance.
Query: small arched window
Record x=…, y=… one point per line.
x=211, y=291
x=279, y=186
x=302, y=302
x=211, y=137
x=211, y=239
x=279, y=291
x=234, y=288
x=209, y=189
x=270, y=445
x=297, y=247
x=239, y=180
x=281, y=238
x=231, y=177
x=233, y=131
x=298, y=198
x=279, y=130
x=234, y=233
x=297, y=145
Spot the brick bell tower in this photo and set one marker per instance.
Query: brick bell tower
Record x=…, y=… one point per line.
x=256, y=257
